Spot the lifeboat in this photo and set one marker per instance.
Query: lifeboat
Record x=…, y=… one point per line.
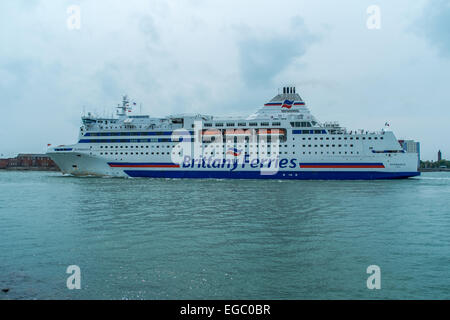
x=210, y=135
x=265, y=132
x=211, y=132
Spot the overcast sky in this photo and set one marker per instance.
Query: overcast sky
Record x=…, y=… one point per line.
x=224, y=57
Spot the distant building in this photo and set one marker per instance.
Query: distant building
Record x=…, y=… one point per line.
x=411, y=146
x=3, y=163
x=439, y=155
x=29, y=161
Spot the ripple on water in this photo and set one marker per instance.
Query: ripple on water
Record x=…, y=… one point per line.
x=175, y=238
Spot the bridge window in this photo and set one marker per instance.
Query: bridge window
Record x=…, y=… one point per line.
x=301, y=124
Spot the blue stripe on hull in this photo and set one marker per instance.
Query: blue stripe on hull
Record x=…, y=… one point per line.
x=303, y=175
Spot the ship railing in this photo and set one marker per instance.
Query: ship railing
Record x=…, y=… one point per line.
x=359, y=132
x=331, y=124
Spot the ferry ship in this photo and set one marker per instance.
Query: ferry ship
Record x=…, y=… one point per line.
x=281, y=140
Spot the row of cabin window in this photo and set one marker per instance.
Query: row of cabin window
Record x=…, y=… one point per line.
x=309, y=132
x=293, y=152
x=340, y=138
x=331, y=152
x=135, y=140
x=114, y=134
x=246, y=153
x=137, y=153
x=131, y=147
x=303, y=124
x=106, y=121
x=169, y=146
x=121, y=127
x=240, y=124
x=246, y=146
x=224, y=146
x=245, y=139
x=212, y=153
x=305, y=146
x=218, y=146
x=326, y=146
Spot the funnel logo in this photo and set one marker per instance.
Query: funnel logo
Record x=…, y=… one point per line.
x=287, y=104
x=234, y=152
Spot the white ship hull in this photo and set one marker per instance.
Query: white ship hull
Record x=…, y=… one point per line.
x=344, y=168
x=281, y=141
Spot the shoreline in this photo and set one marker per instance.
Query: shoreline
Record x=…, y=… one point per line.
x=29, y=169
x=434, y=169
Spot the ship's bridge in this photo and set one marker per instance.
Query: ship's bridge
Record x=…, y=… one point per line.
x=285, y=105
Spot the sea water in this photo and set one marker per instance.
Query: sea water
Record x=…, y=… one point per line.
x=223, y=239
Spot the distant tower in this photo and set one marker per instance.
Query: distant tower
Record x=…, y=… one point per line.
x=439, y=155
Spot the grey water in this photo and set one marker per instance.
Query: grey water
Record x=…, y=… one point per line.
x=223, y=239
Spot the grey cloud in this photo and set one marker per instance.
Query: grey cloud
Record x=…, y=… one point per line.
x=148, y=28
x=262, y=57
x=186, y=58
x=107, y=78
x=434, y=25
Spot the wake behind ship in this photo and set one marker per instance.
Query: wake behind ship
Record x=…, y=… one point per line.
x=282, y=140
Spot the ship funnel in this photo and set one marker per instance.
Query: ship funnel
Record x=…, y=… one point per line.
x=288, y=90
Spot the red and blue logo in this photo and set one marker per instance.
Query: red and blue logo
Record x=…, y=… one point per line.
x=234, y=152
x=287, y=104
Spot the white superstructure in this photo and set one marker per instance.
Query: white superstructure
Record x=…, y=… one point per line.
x=282, y=140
